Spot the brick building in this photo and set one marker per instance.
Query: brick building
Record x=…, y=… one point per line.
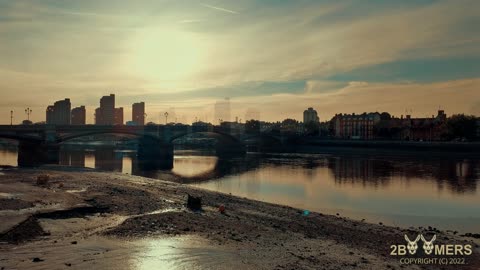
x=355, y=126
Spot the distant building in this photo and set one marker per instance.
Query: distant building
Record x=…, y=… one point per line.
x=408, y=128
x=222, y=111
x=105, y=114
x=78, y=116
x=59, y=113
x=138, y=113
x=50, y=115
x=98, y=117
x=310, y=115
x=424, y=129
x=355, y=126
x=119, y=116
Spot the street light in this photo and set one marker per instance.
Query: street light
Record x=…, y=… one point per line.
x=166, y=117
x=11, y=117
x=28, y=112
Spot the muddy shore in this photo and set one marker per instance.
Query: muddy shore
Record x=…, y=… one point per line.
x=86, y=219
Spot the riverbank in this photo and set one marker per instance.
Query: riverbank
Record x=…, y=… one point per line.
x=83, y=219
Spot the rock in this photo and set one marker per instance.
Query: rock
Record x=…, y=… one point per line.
x=73, y=242
x=36, y=259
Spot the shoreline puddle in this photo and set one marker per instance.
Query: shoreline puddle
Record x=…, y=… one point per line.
x=32, y=210
x=76, y=190
x=179, y=252
x=9, y=195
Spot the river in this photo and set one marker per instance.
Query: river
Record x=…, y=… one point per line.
x=398, y=189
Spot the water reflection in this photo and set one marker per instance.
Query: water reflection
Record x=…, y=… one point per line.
x=406, y=190
x=458, y=175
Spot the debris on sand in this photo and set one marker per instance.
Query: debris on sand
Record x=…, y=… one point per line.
x=194, y=203
x=36, y=259
x=42, y=180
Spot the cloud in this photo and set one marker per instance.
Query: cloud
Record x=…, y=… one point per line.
x=292, y=43
x=459, y=96
x=220, y=9
x=354, y=55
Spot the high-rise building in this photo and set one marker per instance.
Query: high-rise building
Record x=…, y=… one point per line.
x=50, y=115
x=119, y=116
x=98, y=117
x=222, y=111
x=78, y=116
x=138, y=113
x=105, y=114
x=59, y=113
x=310, y=115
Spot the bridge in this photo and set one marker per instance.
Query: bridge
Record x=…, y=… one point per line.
x=39, y=144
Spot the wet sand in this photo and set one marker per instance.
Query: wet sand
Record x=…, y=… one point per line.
x=85, y=219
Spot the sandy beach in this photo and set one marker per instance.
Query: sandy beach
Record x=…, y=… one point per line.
x=84, y=219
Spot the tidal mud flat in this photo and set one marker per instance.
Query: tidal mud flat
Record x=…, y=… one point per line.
x=84, y=219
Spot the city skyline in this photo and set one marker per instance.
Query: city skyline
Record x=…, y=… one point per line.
x=277, y=58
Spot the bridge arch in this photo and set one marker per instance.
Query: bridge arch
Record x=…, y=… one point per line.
x=21, y=138
x=222, y=138
x=68, y=137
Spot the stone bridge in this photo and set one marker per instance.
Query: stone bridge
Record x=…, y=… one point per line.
x=40, y=143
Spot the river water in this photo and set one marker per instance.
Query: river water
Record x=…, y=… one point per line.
x=399, y=189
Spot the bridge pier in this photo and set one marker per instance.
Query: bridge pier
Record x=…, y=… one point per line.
x=35, y=153
x=154, y=154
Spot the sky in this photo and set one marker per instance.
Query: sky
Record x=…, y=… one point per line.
x=277, y=57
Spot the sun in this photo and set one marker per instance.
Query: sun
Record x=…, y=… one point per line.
x=166, y=55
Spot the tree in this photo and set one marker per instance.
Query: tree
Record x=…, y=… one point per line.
x=312, y=128
x=461, y=126
x=385, y=116
x=252, y=127
x=289, y=125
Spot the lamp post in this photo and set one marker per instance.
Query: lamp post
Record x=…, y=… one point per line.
x=28, y=112
x=11, y=117
x=166, y=117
